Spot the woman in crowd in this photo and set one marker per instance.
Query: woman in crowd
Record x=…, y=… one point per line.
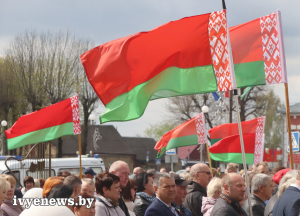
x=108, y=193
x=4, y=187
x=50, y=183
x=42, y=182
x=145, y=193
x=28, y=184
x=82, y=210
x=213, y=193
x=7, y=206
x=128, y=194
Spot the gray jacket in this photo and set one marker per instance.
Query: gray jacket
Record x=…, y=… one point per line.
x=258, y=206
x=227, y=207
x=105, y=208
x=270, y=205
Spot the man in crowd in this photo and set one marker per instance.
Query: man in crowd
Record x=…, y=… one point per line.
x=233, y=191
x=262, y=188
x=165, y=189
x=88, y=186
x=163, y=170
x=289, y=201
x=181, y=188
x=137, y=170
x=232, y=168
x=188, y=169
x=153, y=172
x=262, y=167
x=201, y=176
x=89, y=173
x=75, y=183
x=121, y=169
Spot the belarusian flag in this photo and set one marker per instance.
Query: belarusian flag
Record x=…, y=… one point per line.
x=192, y=132
x=49, y=123
x=187, y=56
x=258, y=52
x=228, y=149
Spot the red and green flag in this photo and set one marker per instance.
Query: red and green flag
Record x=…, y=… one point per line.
x=182, y=57
x=258, y=52
x=192, y=132
x=49, y=123
x=227, y=146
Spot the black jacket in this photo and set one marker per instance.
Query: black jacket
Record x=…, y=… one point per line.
x=258, y=206
x=227, y=207
x=140, y=205
x=270, y=205
x=123, y=206
x=289, y=203
x=157, y=208
x=193, y=200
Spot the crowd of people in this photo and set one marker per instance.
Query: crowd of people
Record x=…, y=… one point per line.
x=195, y=192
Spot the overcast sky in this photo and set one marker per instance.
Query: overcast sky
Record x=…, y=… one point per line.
x=105, y=20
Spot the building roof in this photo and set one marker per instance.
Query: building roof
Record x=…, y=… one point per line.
x=294, y=109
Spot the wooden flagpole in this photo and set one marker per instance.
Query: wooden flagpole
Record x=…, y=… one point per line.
x=209, y=159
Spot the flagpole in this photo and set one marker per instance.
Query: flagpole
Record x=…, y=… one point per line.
x=209, y=159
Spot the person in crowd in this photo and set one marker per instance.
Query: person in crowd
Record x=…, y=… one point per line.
x=253, y=168
x=121, y=169
x=82, y=175
x=42, y=182
x=289, y=201
x=277, y=169
x=108, y=194
x=250, y=176
x=286, y=177
x=214, y=172
x=4, y=187
x=59, y=173
x=262, y=188
x=153, y=172
x=186, y=176
x=89, y=173
x=242, y=172
x=214, y=191
x=233, y=191
x=37, y=183
x=88, y=186
x=128, y=194
x=165, y=189
x=232, y=168
x=262, y=167
x=145, y=193
x=181, y=192
x=75, y=183
x=61, y=191
x=277, y=177
x=28, y=184
x=188, y=169
x=201, y=176
x=219, y=171
x=65, y=174
x=171, y=172
x=137, y=170
x=50, y=183
x=7, y=206
x=163, y=170
x=82, y=210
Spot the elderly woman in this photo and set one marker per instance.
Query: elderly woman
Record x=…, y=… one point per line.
x=50, y=183
x=108, y=193
x=7, y=206
x=82, y=210
x=213, y=193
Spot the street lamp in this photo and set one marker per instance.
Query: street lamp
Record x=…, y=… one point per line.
x=4, y=123
x=205, y=109
x=4, y=145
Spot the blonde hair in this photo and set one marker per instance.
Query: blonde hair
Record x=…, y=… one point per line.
x=289, y=178
x=4, y=184
x=232, y=167
x=10, y=179
x=186, y=176
x=213, y=186
x=37, y=183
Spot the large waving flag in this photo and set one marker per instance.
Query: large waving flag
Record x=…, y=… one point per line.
x=228, y=148
x=49, y=123
x=192, y=132
x=258, y=52
x=187, y=56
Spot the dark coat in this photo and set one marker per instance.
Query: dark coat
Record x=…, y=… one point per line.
x=123, y=206
x=157, y=208
x=227, y=207
x=258, y=206
x=270, y=205
x=193, y=200
x=140, y=205
x=289, y=203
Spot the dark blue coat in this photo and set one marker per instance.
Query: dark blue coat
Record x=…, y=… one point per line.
x=157, y=208
x=289, y=203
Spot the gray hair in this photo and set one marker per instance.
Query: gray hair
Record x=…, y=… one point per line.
x=117, y=165
x=259, y=179
x=213, y=186
x=159, y=177
x=289, y=178
x=72, y=181
x=152, y=171
x=88, y=181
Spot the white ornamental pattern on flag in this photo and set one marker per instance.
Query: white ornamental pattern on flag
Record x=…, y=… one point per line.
x=259, y=140
x=75, y=114
x=201, y=129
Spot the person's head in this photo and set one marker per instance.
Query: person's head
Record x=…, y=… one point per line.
x=82, y=175
x=214, y=188
x=4, y=187
x=187, y=169
x=233, y=186
x=73, y=182
x=200, y=173
x=181, y=186
x=262, y=167
x=242, y=172
x=232, y=168
x=89, y=173
x=37, y=183
x=153, y=172
x=59, y=173
x=253, y=168
x=128, y=193
x=262, y=186
x=50, y=183
x=250, y=176
x=278, y=176
x=42, y=182
x=144, y=183
x=277, y=169
x=60, y=191
x=163, y=170
x=11, y=191
x=28, y=183
x=83, y=210
x=137, y=170
x=108, y=185
x=65, y=174
x=164, y=187
x=219, y=169
x=88, y=186
x=120, y=169
x=186, y=176
x=214, y=172
x=289, y=178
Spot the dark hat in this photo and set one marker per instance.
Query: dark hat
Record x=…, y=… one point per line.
x=89, y=171
x=180, y=181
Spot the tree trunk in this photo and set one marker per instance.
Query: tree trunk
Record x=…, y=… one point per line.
x=21, y=151
x=59, y=147
x=84, y=130
x=242, y=106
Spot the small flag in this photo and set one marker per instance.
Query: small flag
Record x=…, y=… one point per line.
x=216, y=96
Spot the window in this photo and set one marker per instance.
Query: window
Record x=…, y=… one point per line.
x=40, y=174
x=73, y=171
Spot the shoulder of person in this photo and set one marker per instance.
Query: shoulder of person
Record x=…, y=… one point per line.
x=223, y=211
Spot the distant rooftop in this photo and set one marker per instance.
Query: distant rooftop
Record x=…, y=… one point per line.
x=294, y=109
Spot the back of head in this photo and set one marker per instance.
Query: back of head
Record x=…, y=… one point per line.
x=36, y=183
x=232, y=167
x=42, y=182
x=153, y=171
x=186, y=175
x=257, y=180
x=126, y=192
x=196, y=168
x=60, y=191
x=87, y=181
x=49, y=184
x=277, y=169
x=65, y=174
x=117, y=165
x=141, y=179
x=213, y=186
x=72, y=181
x=289, y=178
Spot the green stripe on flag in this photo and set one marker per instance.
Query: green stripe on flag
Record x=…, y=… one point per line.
x=42, y=135
x=213, y=141
x=245, y=92
x=182, y=141
x=233, y=157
